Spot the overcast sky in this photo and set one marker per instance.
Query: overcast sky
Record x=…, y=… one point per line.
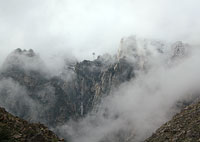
x=80, y=27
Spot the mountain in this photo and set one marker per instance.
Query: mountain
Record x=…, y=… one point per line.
x=15, y=129
x=184, y=126
x=30, y=91
x=59, y=99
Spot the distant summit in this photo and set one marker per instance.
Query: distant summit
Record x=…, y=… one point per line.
x=134, y=46
x=138, y=50
x=23, y=60
x=29, y=53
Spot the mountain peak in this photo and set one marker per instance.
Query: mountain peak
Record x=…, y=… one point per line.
x=134, y=46
x=23, y=59
x=29, y=53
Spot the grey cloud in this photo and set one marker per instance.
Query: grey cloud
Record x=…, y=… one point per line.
x=138, y=107
x=83, y=27
x=57, y=29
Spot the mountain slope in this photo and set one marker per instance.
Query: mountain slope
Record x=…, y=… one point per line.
x=14, y=129
x=184, y=127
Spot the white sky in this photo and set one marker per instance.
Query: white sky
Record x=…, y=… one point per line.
x=80, y=27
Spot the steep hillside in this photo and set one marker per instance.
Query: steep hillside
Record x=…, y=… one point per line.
x=184, y=127
x=14, y=129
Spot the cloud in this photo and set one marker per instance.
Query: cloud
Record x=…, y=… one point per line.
x=138, y=107
x=15, y=99
x=32, y=105
x=83, y=27
x=65, y=27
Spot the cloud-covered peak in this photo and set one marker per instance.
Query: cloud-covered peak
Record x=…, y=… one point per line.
x=136, y=48
x=26, y=60
x=28, y=53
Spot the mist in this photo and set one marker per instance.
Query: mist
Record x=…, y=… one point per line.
x=72, y=30
x=137, y=108
x=79, y=28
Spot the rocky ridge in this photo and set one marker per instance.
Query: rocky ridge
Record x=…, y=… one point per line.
x=15, y=129
x=184, y=126
x=58, y=98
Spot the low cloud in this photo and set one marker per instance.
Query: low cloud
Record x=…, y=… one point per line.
x=14, y=97
x=138, y=107
x=59, y=30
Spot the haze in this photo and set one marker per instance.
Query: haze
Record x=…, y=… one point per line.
x=79, y=28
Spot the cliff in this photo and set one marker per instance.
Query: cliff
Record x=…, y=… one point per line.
x=30, y=91
x=55, y=100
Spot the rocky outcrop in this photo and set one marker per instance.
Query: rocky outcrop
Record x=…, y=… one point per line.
x=55, y=99
x=14, y=129
x=185, y=126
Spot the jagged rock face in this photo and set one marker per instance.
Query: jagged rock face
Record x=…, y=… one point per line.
x=54, y=99
x=183, y=127
x=14, y=129
x=112, y=77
